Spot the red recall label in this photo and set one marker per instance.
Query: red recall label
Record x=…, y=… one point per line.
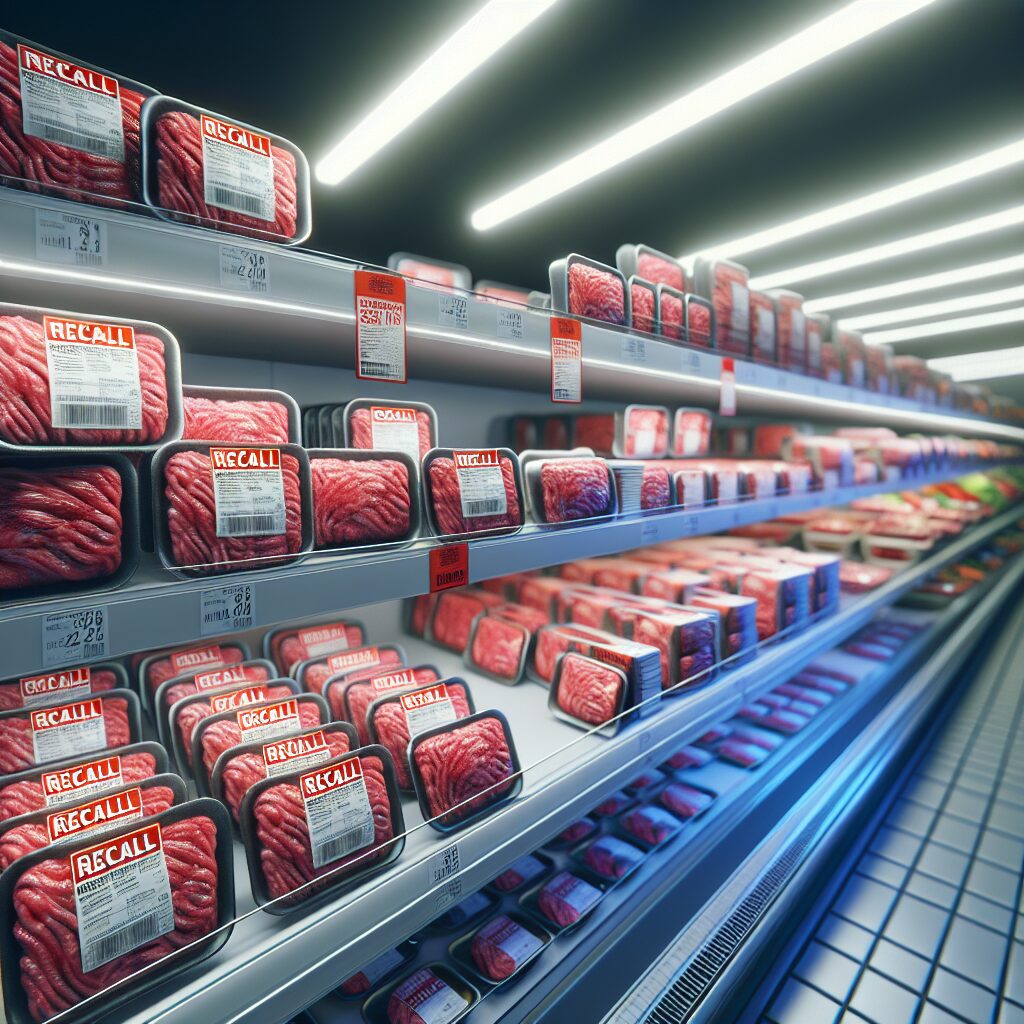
x=394, y=681
x=424, y=698
x=69, y=679
x=235, y=135
x=324, y=780
x=88, y=773
x=115, y=853
x=65, y=71
x=360, y=658
x=66, y=714
x=257, y=718
x=388, y=414
x=102, y=811
x=88, y=332
x=229, y=676
x=235, y=699
x=293, y=748
x=471, y=458
x=245, y=458
x=196, y=657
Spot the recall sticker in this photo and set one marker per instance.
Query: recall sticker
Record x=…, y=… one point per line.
x=122, y=895
x=93, y=370
x=427, y=708
x=67, y=730
x=566, y=360
x=449, y=567
x=268, y=721
x=55, y=688
x=346, y=661
x=727, y=397
x=338, y=811
x=511, y=938
x=395, y=430
x=238, y=169
x=196, y=658
x=248, y=492
x=232, y=675
x=238, y=699
x=70, y=105
x=481, y=483
x=323, y=640
x=388, y=682
x=430, y=999
x=64, y=785
x=295, y=753
x=380, y=327
x=103, y=813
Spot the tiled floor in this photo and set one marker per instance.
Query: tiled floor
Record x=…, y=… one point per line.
x=929, y=927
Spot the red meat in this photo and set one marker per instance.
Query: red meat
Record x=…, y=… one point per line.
x=253, y=674
x=316, y=676
x=282, y=836
x=453, y=619
x=45, y=924
x=469, y=765
x=501, y=946
x=566, y=898
x=642, y=307
x=728, y=283
x=575, y=489
x=498, y=647
x=656, y=488
x=235, y=421
x=671, y=315
x=575, y=831
x=420, y=614
x=192, y=520
x=589, y=690
x=550, y=644
x=698, y=324
x=762, y=327
x=612, y=805
x=179, y=171
x=362, y=694
x=652, y=825
x=447, y=503
x=360, y=502
x=59, y=525
x=611, y=858
x=294, y=646
x=361, y=430
x=99, y=680
x=646, y=433
x=416, y=990
x=52, y=168
x=16, y=748
x=25, y=391
x=519, y=873
x=595, y=431
x=163, y=668
x=526, y=616
x=685, y=801
x=596, y=293
x=660, y=270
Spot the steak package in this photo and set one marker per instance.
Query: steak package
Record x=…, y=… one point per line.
x=203, y=169
x=431, y=993
x=315, y=673
x=691, y=433
x=240, y=416
x=431, y=271
x=350, y=696
x=520, y=872
x=410, y=427
x=588, y=693
x=74, y=381
x=651, y=265
x=792, y=330
x=363, y=498
x=610, y=857
x=311, y=833
x=763, y=339
x=638, y=432
x=473, y=491
x=231, y=509
x=500, y=947
x=726, y=285
x=288, y=646
x=700, y=321
x=156, y=667
x=464, y=770
x=87, y=916
x=687, y=639
x=498, y=648
x=825, y=579
x=377, y=971
x=584, y=287
x=569, y=488
x=68, y=128
x=61, y=685
x=563, y=901
x=644, y=314
x=56, y=732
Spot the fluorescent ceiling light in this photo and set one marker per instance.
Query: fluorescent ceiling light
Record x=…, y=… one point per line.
x=1001, y=362
x=975, y=167
x=928, y=309
x=962, y=323
x=889, y=250
x=893, y=290
x=495, y=24
x=846, y=26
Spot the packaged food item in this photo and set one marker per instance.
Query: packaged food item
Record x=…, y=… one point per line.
x=501, y=947
x=818, y=327
x=584, y=287
x=429, y=271
x=685, y=801
x=564, y=900
x=763, y=344
x=638, y=432
x=852, y=356
x=498, y=648
x=643, y=306
x=725, y=283
x=433, y=992
x=352, y=696
x=378, y=970
x=315, y=674
x=611, y=858
x=288, y=646
x=651, y=825
x=61, y=685
x=878, y=369
x=688, y=641
x=651, y=265
x=471, y=909
x=700, y=321
x=568, y=489
x=473, y=491
x=671, y=313
x=791, y=326
x=831, y=364
x=255, y=415
x=676, y=585
x=454, y=612
x=588, y=693
x=521, y=872
x=738, y=617
x=409, y=427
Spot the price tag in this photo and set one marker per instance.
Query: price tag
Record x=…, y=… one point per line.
x=566, y=360
x=68, y=238
x=649, y=533
x=510, y=324
x=227, y=609
x=444, y=864
x=453, y=311
x=75, y=636
x=244, y=270
x=449, y=567
x=691, y=360
x=727, y=400
x=634, y=350
x=380, y=327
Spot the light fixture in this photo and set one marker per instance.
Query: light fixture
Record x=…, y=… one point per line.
x=955, y=326
x=893, y=290
x=889, y=250
x=999, y=297
x=844, y=27
x=1000, y=362
x=494, y=25
x=965, y=170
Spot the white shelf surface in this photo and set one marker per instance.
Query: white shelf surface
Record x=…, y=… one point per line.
x=163, y=272
x=155, y=610
x=273, y=967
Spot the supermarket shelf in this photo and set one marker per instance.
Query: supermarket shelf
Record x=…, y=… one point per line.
x=155, y=610
x=272, y=968
x=158, y=271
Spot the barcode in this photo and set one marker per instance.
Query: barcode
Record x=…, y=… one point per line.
x=89, y=259
x=90, y=651
x=346, y=843
x=483, y=507
x=248, y=525
x=369, y=369
x=91, y=144
x=92, y=414
x=128, y=938
x=234, y=200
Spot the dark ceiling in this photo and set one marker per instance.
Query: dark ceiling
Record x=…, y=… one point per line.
x=942, y=85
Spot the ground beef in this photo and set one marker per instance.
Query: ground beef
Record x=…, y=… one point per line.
x=575, y=831
x=361, y=694
x=420, y=612
x=501, y=947
x=656, y=488
x=589, y=690
x=652, y=267
x=159, y=670
x=453, y=619
x=652, y=825
x=671, y=315
x=467, y=763
x=612, y=805
x=235, y=421
x=253, y=674
x=550, y=644
x=316, y=676
x=642, y=307
x=729, y=295
x=290, y=647
x=611, y=858
x=531, y=618
x=99, y=679
x=566, y=898
x=685, y=801
x=694, y=637
x=698, y=324
x=596, y=293
x=45, y=924
x=361, y=430
x=59, y=525
x=360, y=502
x=447, y=503
x=498, y=648
x=517, y=874
x=416, y=990
x=575, y=489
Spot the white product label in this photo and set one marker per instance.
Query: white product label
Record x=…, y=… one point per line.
x=220, y=678
x=634, y=350
x=764, y=338
x=364, y=657
x=481, y=483
x=64, y=103
x=453, y=311
x=323, y=640
x=55, y=687
x=382, y=966
x=296, y=753
x=101, y=814
x=577, y=893
x=248, y=492
x=527, y=868
x=395, y=430
x=430, y=999
x=510, y=324
x=244, y=270
x=798, y=331
x=444, y=864
x=66, y=785
x=338, y=811
x=94, y=375
x=68, y=238
x=196, y=658
x=566, y=370
x=122, y=895
x=739, y=318
x=644, y=443
x=727, y=395
x=227, y=609
x=238, y=699
x=67, y=730
x=472, y=905
x=238, y=169
x=427, y=708
x=726, y=488
x=511, y=938
x=693, y=490
x=380, y=326
x=268, y=721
